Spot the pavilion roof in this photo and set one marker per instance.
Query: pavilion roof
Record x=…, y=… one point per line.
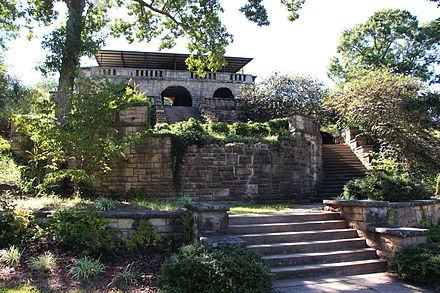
x=155, y=60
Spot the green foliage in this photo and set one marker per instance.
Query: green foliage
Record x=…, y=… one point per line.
x=418, y=264
x=187, y=224
x=144, y=234
x=17, y=226
x=231, y=268
x=128, y=276
x=81, y=232
x=86, y=268
x=10, y=256
x=44, y=262
x=283, y=95
x=88, y=142
x=376, y=101
x=380, y=185
x=5, y=146
x=104, y=204
x=193, y=132
x=437, y=185
x=392, y=39
x=434, y=234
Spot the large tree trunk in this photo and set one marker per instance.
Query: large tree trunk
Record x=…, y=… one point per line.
x=70, y=56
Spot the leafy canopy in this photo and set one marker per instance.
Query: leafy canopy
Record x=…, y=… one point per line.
x=379, y=103
x=392, y=39
x=282, y=95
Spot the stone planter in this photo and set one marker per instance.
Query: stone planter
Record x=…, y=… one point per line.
x=388, y=226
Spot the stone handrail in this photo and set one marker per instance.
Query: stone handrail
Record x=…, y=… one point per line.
x=359, y=147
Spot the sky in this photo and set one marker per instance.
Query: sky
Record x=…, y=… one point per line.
x=304, y=46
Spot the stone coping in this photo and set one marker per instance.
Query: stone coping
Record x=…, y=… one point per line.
x=400, y=231
x=206, y=207
x=380, y=203
x=128, y=214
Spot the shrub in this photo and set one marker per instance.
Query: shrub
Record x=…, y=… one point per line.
x=219, y=127
x=232, y=268
x=437, y=185
x=84, y=233
x=86, y=268
x=434, y=234
x=10, y=256
x=17, y=226
x=418, y=264
x=44, y=262
x=279, y=126
x=378, y=185
x=144, y=234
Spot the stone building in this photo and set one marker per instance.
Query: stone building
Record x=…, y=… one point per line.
x=176, y=92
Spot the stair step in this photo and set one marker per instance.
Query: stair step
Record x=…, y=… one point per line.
x=287, y=227
x=309, y=246
x=282, y=218
x=320, y=257
x=265, y=238
x=330, y=269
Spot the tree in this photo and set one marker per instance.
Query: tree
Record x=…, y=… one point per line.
x=88, y=23
x=379, y=103
x=282, y=95
x=88, y=140
x=392, y=39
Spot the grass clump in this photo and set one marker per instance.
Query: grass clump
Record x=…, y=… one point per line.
x=262, y=208
x=104, y=204
x=10, y=256
x=86, y=268
x=44, y=262
x=128, y=276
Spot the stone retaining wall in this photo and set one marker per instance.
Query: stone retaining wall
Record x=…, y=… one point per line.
x=388, y=226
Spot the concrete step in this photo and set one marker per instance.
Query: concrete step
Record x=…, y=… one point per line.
x=265, y=238
x=282, y=218
x=320, y=257
x=309, y=246
x=330, y=269
x=286, y=227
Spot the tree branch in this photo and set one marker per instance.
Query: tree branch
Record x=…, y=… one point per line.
x=157, y=10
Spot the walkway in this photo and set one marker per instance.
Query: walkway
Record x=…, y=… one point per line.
x=369, y=283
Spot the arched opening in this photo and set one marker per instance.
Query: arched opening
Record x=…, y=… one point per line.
x=223, y=93
x=176, y=96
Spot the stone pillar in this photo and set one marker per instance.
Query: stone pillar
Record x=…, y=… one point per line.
x=207, y=219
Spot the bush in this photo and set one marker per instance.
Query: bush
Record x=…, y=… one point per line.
x=434, y=234
x=232, y=268
x=17, y=226
x=418, y=264
x=144, y=234
x=379, y=185
x=279, y=126
x=219, y=127
x=84, y=233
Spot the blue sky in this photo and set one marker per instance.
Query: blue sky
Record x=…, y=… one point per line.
x=304, y=46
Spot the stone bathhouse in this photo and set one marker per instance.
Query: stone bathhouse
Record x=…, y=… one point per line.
x=292, y=170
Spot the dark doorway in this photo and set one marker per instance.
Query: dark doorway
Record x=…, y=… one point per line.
x=176, y=96
x=223, y=93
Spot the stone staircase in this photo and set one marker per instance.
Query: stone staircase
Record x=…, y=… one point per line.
x=306, y=244
x=340, y=166
x=174, y=114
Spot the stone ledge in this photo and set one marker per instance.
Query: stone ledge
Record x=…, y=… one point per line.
x=379, y=203
x=403, y=232
x=142, y=214
x=205, y=207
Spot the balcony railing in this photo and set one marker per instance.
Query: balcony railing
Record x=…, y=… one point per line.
x=166, y=74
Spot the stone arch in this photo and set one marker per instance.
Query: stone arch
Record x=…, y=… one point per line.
x=177, y=96
x=224, y=93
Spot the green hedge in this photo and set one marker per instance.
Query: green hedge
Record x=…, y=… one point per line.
x=380, y=185
x=229, y=269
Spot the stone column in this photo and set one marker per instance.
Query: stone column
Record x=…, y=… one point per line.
x=208, y=219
